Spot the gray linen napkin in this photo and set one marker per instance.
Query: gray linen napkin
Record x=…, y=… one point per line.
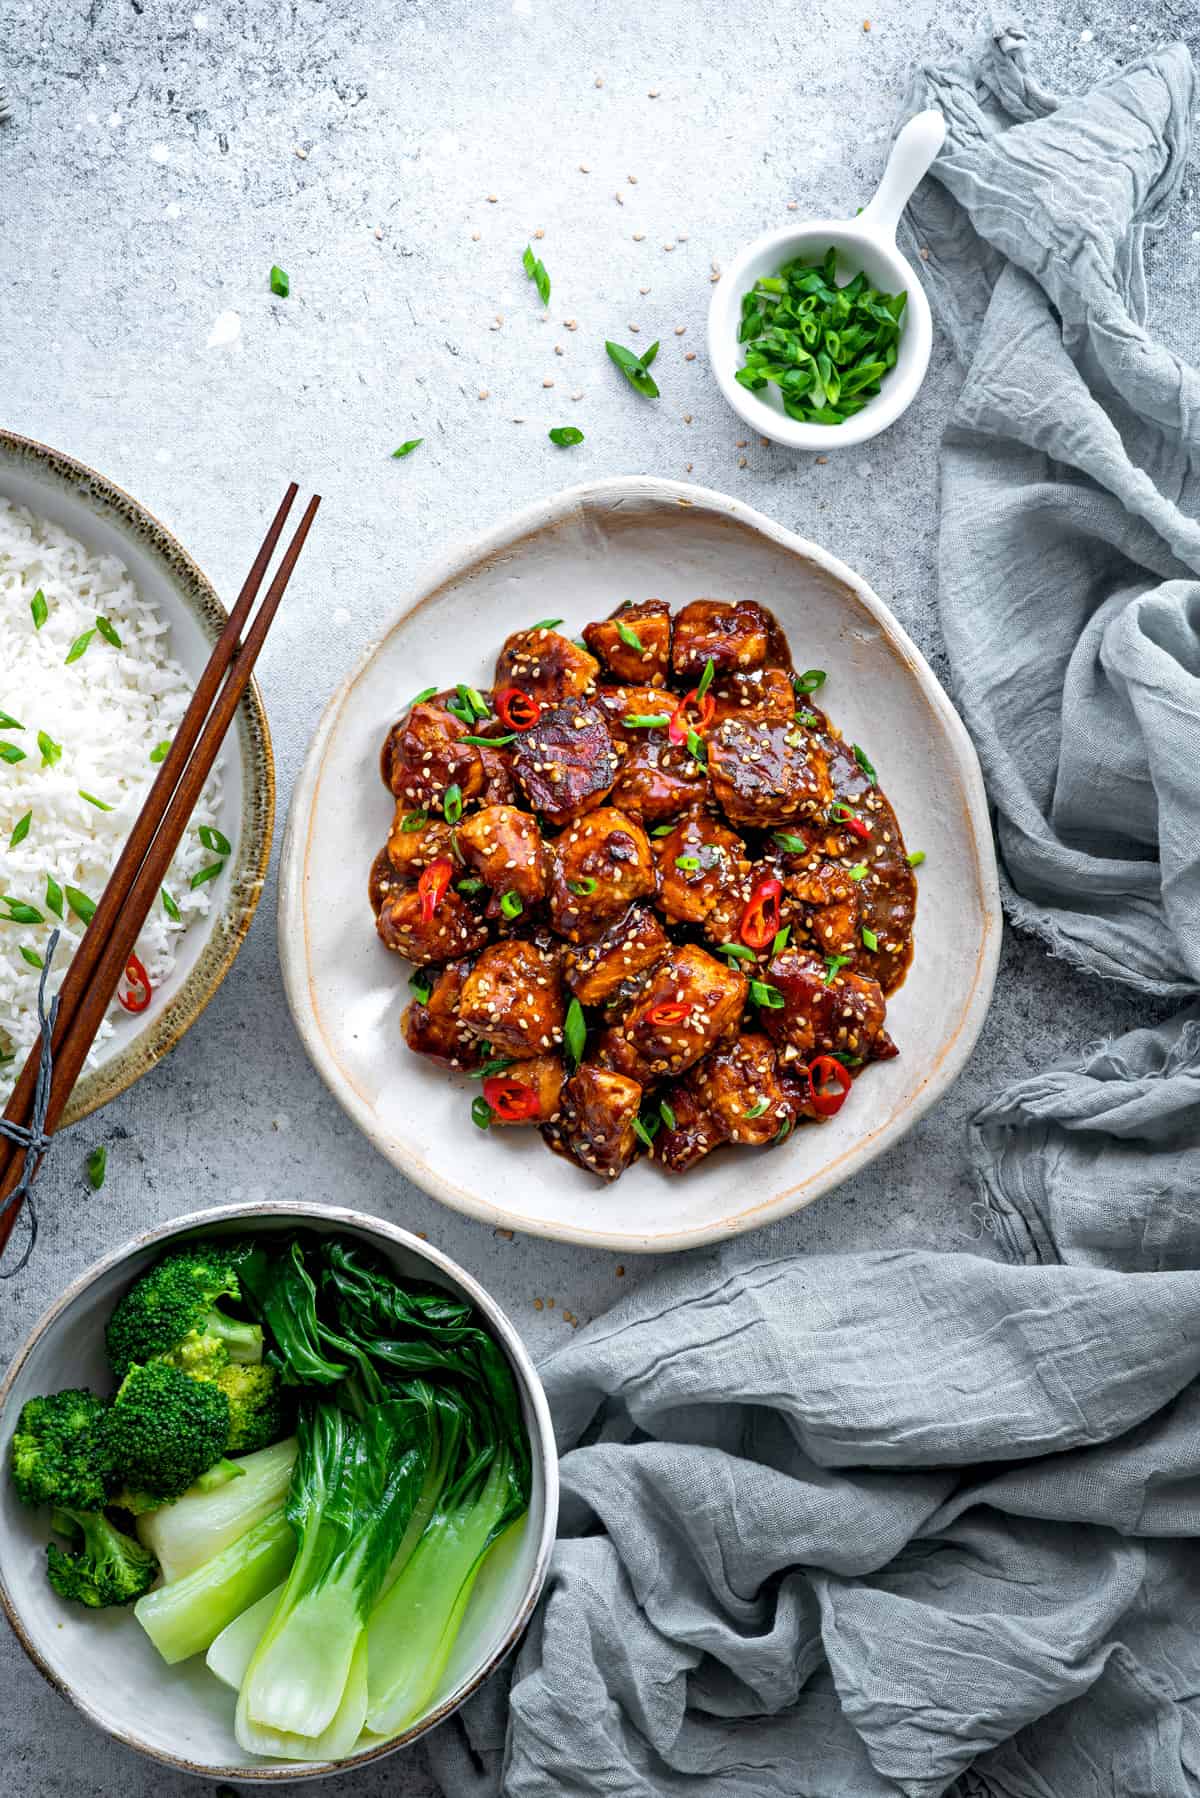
x=894, y=1523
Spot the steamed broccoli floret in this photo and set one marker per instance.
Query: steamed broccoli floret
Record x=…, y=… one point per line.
x=105, y=1566
x=58, y=1453
x=161, y=1432
x=256, y=1407
x=174, y=1310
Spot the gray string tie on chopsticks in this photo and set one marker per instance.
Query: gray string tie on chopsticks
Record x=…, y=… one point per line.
x=32, y=1137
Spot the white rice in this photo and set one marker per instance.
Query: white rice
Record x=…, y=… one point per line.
x=108, y=710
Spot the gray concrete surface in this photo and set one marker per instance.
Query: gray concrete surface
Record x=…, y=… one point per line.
x=150, y=176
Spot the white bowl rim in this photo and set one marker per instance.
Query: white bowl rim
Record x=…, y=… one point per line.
x=544, y=1449
x=292, y=926
x=895, y=395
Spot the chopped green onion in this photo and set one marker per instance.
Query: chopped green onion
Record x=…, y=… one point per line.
x=452, y=804
x=756, y=1110
x=781, y=939
x=635, y=368
x=916, y=858
x=545, y=624
x=413, y=821
x=696, y=749
x=787, y=840
x=32, y=957
x=208, y=873
x=768, y=996
x=490, y=742
x=40, y=609
x=406, y=449
x=79, y=647
x=161, y=751
x=629, y=636
x=870, y=940
x=783, y=1132
x=51, y=751
x=20, y=830
x=663, y=830
x=832, y=964
x=584, y=887
x=810, y=680
x=19, y=912
x=689, y=863
x=422, y=696
x=10, y=753
x=100, y=804
x=858, y=871
x=54, y=896
x=108, y=631
x=706, y=679
x=565, y=436
x=808, y=719
x=8, y=722
x=470, y=886
x=535, y=268
x=737, y=952
x=473, y=700
x=169, y=906
x=642, y=1133
x=419, y=985
x=847, y=1061
x=481, y=1113
x=79, y=902
x=668, y=1116
x=860, y=756
x=97, y=1167
x=575, y=1031
x=495, y=1065
x=510, y=904
x=214, y=839
x=646, y=721
x=281, y=286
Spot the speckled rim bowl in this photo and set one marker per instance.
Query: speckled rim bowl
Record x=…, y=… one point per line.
x=101, y=1660
x=106, y=518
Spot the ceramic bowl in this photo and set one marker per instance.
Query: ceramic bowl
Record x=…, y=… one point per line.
x=576, y=556
x=109, y=520
x=101, y=1660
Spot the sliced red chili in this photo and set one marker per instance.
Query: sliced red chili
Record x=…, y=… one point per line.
x=431, y=887
x=680, y=724
x=827, y=1099
x=516, y=710
x=511, y=1099
x=761, y=918
x=668, y=1011
x=140, y=990
x=841, y=814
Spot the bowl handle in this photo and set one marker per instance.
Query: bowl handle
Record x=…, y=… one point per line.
x=912, y=153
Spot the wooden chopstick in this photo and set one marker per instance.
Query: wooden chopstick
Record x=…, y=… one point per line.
x=136, y=880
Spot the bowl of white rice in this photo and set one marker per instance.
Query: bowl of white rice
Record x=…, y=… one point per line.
x=105, y=626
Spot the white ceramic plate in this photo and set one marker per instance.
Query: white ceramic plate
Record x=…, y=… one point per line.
x=102, y=1660
x=107, y=519
x=575, y=556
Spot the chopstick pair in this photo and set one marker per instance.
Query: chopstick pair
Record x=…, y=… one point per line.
x=40, y=1095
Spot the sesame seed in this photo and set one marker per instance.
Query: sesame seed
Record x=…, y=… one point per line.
x=619, y=197
x=639, y=237
x=483, y=393
x=475, y=237
x=792, y=206
x=689, y=355
x=584, y=169
x=492, y=199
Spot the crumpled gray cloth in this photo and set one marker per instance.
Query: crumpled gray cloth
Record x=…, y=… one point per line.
x=1070, y=501
x=906, y=1523
x=867, y=1524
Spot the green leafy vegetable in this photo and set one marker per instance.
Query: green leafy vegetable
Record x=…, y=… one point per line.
x=31, y=957
x=79, y=902
x=407, y=448
x=10, y=753
x=565, y=436
x=80, y=645
x=109, y=632
x=535, y=268
x=54, y=896
x=40, y=609
x=51, y=751
x=19, y=912
x=635, y=368
x=8, y=722
x=280, y=283
x=20, y=830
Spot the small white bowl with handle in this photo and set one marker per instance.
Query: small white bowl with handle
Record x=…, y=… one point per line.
x=866, y=242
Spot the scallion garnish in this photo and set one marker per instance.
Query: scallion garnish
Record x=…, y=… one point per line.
x=643, y=1133
x=629, y=636
x=646, y=721
x=689, y=863
x=490, y=742
x=281, y=286
x=169, y=906
x=783, y=1132
x=19, y=912
x=736, y=952
x=10, y=753
x=54, y=896
x=575, y=1031
x=419, y=985
x=32, y=957
x=545, y=624
x=422, y=696
x=413, y=821
x=584, y=887
x=496, y=1064
x=473, y=700
x=787, y=840
x=97, y=1167
x=452, y=804
x=662, y=830
x=481, y=1113
x=668, y=1116
x=706, y=679
x=100, y=804
x=859, y=871
x=470, y=886
x=510, y=904
x=79, y=647
x=214, y=839
x=870, y=940
x=565, y=436
x=767, y=996
x=756, y=1110
x=207, y=873
x=406, y=449
x=83, y=907
x=40, y=609
x=832, y=964
x=810, y=680
x=8, y=722
x=51, y=751
x=781, y=940
x=535, y=268
x=161, y=751
x=696, y=749
x=109, y=632
x=916, y=858
x=636, y=368
x=860, y=756
x=20, y=830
